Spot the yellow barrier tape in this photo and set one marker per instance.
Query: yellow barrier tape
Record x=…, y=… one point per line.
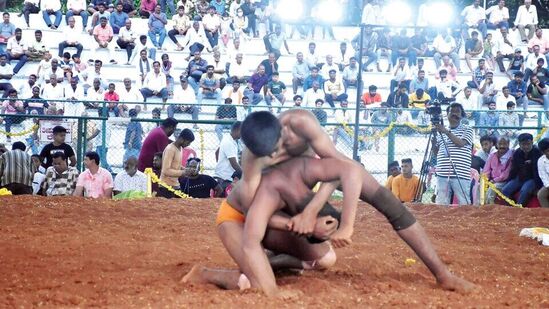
x=540, y=134
x=155, y=179
x=28, y=131
x=386, y=131
x=201, y=133
x=488, y=184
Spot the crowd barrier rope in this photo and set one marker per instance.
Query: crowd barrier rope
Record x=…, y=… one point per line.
x=152, y=178
x=485, y=184
x=22, y=133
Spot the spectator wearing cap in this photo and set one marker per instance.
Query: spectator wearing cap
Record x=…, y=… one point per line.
x=184, y=100
x=103, y=35
x=51, y=7
x=516, y=64
x=171, y=163
x=524, y=177
x=130, y=179
x=60, y=178
x=157, y=27
x=334, y=89
x=156, y=141
x=155, y=84
x=17, y=170
x=198, y=185
x=95, y=181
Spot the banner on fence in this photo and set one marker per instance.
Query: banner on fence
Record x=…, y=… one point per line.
x=46, y=127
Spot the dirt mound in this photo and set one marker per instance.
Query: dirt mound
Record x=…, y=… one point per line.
x=79, y=252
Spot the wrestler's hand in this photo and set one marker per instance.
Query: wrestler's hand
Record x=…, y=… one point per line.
x=342, y=237
x=325, y=227
x=302, y=224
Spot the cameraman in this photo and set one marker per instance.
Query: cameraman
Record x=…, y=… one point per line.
x=453, y=147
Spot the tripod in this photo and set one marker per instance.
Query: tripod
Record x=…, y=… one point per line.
x=428, y=159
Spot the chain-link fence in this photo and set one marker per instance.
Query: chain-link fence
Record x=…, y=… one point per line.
x=381, y=138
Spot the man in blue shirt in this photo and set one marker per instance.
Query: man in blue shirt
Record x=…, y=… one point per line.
x=118, y=18
x=517, y=88
x=314, y=77
x=7, y=30
x=157, y=26
x=134, y=133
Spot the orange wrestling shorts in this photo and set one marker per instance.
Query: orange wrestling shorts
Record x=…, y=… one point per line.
x=226, y=213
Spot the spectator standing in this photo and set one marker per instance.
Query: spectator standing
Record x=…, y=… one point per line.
x=198, y=185
x=156, y=141
x=453, y=147
x=157, y=27
x=17, y=170
x=228, y=154
x=95, y=181
x=405, y=185
x=132, y=139
x=543, y=169
x=171, y=163
x=524, y=177
x=526, y=18
x=77, y=7
x=498, y=167
x=130, y=179
x=51, y=7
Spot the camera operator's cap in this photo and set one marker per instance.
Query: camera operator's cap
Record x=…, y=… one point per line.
x=525, y=137
x=518, y=50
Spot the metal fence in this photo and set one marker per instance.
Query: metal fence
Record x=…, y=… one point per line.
x=378, y=144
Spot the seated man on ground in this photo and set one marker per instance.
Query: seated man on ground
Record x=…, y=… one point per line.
x=198, y=185
x=130, y=179
x=60, y=177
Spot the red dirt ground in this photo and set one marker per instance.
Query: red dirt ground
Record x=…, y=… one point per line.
x=69, y=252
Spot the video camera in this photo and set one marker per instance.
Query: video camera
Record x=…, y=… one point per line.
x=435, y=111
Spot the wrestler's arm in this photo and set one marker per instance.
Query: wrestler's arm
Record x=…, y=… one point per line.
x=350, y=176
x=258, y=269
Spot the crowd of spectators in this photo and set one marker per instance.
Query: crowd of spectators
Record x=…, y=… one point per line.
x=64, y=84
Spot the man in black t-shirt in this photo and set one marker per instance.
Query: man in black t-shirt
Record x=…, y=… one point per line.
x=198, y=185
x=226, y=111
x=58, y=145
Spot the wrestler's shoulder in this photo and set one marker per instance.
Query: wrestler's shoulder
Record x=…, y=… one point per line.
x=291, y=114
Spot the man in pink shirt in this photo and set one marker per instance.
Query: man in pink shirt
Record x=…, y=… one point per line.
x=156, y=141
x=498, y=166
x=12, y=106
x=95, y=181
x=146, y=8
x=103, y=35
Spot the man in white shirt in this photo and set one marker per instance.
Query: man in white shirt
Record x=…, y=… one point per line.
x=77, y=7
x=212, y=24
x=344, y=116
x=313, y=94
x=503, y=47
x=184, y=100
x=238, y=69
x=92, y=73
x=350, y=75
x=73, y=94
x=25, y=89
x=72, y=37
x=6, y=73
x=447, y=89
x=445, y=45
x=310, y=57
x=51, y=7
x=95, y=95
x=527, y=17
x=54, y=91
x=498, y=16
x=16, y=49
x=126, y=39
x=503, y=98
x=468, y=99
x=227, y=162
x=155, y=84
x=328, y=66
x=130, y=95
x=143, y=43
x=474, y=17
x=130, y=179
x=143, y=67
x=300, y=71
x=196, y=39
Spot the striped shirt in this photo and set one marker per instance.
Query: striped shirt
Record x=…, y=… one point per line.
x=16, y=167
x=460, y=156
x=57, y=184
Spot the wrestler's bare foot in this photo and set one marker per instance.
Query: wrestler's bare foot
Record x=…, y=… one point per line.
x=456, y=284
x=195, y=275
